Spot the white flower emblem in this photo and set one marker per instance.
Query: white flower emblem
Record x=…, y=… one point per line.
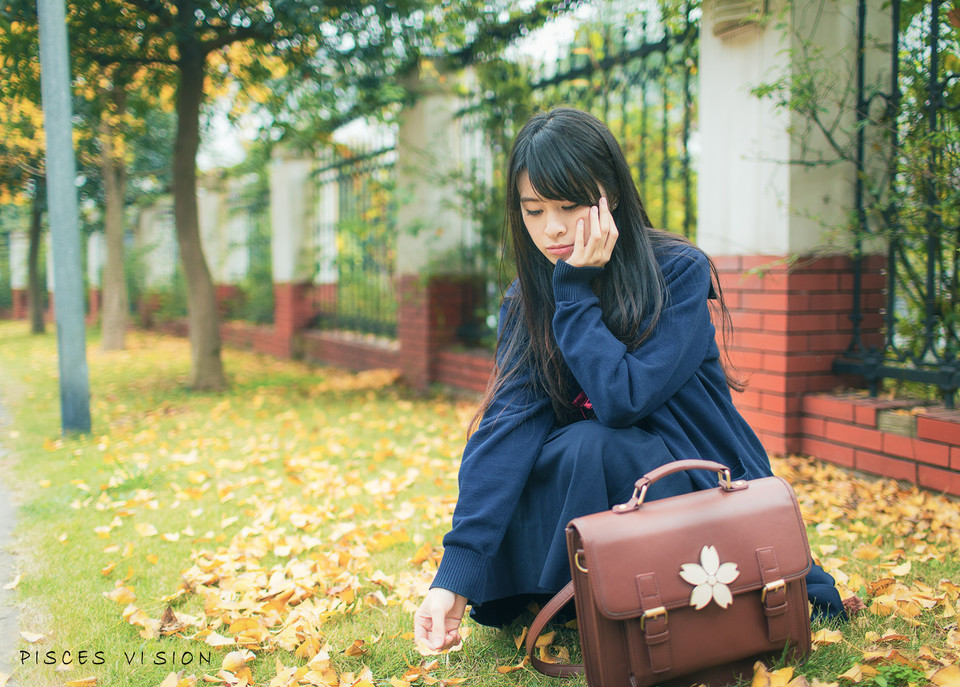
x=710, y=579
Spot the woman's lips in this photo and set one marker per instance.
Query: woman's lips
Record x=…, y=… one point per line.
x=560, y=250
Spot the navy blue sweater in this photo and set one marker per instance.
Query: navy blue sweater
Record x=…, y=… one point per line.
x=671, y=385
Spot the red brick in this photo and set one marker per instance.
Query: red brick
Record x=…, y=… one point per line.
x=865, y=415
x=886, y=466
x=829, y=302
x=767, y=263
x=747, y=320
x=813, y=426
x=764, y=301
x=761, y=421
x=955, y=458
x=854, y=436
x=826, y=450
x=943, y=430
x=935, y=479
x=777, y=444
x=828, y=407
x=749, y=360
x=763, y=281
x=728, y=263
x=825, y=281
x=833, y=342
x=901, y=446
x=931, y=453
x=778, y=403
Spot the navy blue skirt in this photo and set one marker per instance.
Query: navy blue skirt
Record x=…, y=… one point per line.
x=585, y=468
x=582, y=468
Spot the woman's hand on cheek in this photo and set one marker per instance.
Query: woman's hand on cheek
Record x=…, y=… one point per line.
x=594, y=250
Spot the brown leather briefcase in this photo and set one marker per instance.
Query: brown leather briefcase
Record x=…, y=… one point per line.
x=688, y=589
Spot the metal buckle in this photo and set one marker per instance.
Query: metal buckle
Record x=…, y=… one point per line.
x=653, y=613
x=773, y=586
x=576, y=561
x=725, y=481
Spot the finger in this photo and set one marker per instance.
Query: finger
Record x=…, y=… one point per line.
x=436, y=636
x=578, y=241
x=420, y=626
x=597, y=233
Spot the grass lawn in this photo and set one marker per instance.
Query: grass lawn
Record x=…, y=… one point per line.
x=283, y=532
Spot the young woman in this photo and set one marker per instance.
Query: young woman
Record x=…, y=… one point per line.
x=606, y=367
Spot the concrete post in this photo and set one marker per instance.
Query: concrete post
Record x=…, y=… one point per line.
x=291, y=245
x=19, y=267
x=432, y=291
x=771, y=226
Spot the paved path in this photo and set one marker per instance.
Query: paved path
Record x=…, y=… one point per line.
x=9, y=633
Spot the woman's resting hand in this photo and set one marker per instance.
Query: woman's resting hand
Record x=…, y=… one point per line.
x=437, y=621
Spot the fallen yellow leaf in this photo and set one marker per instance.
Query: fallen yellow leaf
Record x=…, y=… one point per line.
x=901, y=570
x=518, y=640
x=82, y=682
x=31, y=637
x=16, y=581
x=546, y=639
x=948, y=676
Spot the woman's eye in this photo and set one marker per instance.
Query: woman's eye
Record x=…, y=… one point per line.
x=532, y=213
x=570, y=208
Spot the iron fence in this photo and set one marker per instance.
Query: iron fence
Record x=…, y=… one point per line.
x=6, y=290
x=249, y=262
x=919, y=213
x=356, y=235
x=638, y=75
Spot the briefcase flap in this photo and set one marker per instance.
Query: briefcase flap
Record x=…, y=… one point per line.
x=719, y=543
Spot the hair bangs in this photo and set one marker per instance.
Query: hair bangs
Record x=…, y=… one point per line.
x=557, y=172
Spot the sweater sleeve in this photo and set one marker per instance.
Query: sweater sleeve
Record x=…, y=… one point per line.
x=497, y=461
x=625, y=386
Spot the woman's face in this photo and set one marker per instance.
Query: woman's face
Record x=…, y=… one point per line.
x=552, y=224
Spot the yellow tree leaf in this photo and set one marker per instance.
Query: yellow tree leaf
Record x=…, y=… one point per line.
x=948, y=676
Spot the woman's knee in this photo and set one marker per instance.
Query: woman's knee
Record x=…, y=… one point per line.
x=590, y=448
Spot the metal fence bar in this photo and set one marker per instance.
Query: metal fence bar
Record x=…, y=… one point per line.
x=355, y=238
x=921, y=341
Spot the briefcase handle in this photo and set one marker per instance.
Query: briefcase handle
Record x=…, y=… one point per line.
x=642, y=484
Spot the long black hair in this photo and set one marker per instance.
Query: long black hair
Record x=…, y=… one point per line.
x=570, y=155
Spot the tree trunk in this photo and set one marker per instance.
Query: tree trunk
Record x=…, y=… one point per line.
x=35, y=290
x=115, y=303
x=202, y=315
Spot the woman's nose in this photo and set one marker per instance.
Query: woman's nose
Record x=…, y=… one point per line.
x=555, y=227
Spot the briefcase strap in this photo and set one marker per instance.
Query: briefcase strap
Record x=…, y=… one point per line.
x=545, y=615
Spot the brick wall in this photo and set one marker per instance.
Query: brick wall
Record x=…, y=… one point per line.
x=350, y=350
x=94, y=303
x=893, y=438
x=468, y=370
x=789, y=324
x=431, y=311
x=20, y=308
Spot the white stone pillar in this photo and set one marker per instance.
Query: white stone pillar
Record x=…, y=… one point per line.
x=19, y=260
x=95, y=258
x=48, y=253
x=428, y=150
x=751, y=200
x=211, y=216
x=156, y=243
x=290, y=217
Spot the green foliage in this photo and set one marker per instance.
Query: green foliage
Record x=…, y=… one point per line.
x=895, y=675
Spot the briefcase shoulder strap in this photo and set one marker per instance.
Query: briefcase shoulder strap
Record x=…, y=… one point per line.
x=545, y=615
